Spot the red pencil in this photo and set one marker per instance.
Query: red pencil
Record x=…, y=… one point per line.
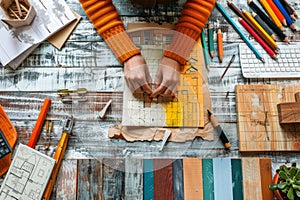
x=258, y=39
x=277, y=12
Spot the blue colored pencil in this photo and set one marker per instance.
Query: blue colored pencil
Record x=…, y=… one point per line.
x=286, y=15
x=239, y=31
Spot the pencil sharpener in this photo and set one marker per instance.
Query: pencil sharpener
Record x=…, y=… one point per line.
x=17, y=12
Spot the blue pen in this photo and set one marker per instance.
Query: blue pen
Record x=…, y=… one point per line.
x=286, y=15
x=239, y=31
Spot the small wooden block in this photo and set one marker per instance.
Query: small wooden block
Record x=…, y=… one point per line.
x=289, y=112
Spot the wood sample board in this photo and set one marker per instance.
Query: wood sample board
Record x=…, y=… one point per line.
x=258, y=122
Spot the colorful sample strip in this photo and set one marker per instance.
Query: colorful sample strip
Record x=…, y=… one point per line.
x=208, y=179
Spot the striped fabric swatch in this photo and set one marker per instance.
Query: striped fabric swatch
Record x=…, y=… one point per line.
x=208, y=179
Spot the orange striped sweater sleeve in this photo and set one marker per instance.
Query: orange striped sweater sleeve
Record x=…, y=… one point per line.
x=106, y=21
x=193, y=19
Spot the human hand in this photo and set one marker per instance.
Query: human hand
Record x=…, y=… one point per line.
x=137, y=75
x=167, y=78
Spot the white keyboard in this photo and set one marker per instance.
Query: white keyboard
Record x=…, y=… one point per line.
x=287, y=65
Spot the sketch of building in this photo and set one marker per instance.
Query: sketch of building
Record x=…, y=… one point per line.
x=27, y=176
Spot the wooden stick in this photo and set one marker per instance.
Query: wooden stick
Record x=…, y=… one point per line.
x=19, y=8
x=24, y=8
x=13, y=12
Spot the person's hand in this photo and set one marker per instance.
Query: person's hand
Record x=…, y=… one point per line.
x=137, y=75
x=167, y=78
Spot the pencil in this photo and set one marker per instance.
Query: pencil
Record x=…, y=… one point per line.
x=228, y=65
x=210, y=34
x=39, y=123
x=239, y=31
x=258, y=39
x=220, y=45
x=205, y=50
x=263, y=24
x=219, y=130
x=277, y=12
x=289, y=21
x=269, y=10
x=263, y=34
x=237, y=11
x=268, y=21
x=289, y=9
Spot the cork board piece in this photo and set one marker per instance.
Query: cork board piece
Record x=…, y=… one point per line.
x=258, y=122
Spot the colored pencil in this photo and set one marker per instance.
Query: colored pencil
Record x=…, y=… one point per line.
x=289, y=9
x=258, y=39
x=220, y=45
x=263, y=34
x=210, y=33
x=268, y=21
x=271, y=13
x=263, y=24
x=277, y=12
x=289, y=21
x=205, y=50
x=239, y=31
x=39, y=123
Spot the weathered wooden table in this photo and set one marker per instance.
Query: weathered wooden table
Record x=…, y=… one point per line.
x=85, y=61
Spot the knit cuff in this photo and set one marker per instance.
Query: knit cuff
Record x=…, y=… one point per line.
x=180, y=47
x=120, y=43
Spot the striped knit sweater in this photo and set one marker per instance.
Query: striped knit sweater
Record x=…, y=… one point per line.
x=107, y=22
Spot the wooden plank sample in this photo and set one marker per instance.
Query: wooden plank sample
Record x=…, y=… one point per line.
x=289, y=112
x=113, y=179
x=133, y=179
x=163, y=181
x=237, y=179
x=192, y=173
x=222, y=178
x=148, y=182
x=178, y=186
x=66, y=182
x=208, y=180
x=90, y=179
x=258, y=123
x=257, y=175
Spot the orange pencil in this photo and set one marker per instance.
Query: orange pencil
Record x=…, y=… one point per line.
x=39, y=123
x=269, y=10
x=220, y=45
x=277, y=12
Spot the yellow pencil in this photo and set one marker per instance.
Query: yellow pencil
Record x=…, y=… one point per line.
x=263, y=34
x=271, y=13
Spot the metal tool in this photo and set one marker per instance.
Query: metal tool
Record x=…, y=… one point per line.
x=59, y=154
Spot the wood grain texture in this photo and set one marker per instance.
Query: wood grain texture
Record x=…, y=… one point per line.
x=237, y=179
x=113, y=179
x=192, y=173
x=148, y=180
x=133, y=179
x=163, y=181
x=66, y=182
x=178, y=184
x=258, y=122
x=222, y=178
x=266, y=178
x=90, y=183
x=208, y=179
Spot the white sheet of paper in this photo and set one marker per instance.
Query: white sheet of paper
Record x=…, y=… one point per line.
x=52, y=16
x=28, y=175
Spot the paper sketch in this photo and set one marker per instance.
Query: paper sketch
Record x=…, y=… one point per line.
x=51, y=16
x=27, y=176
x=186, y=110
